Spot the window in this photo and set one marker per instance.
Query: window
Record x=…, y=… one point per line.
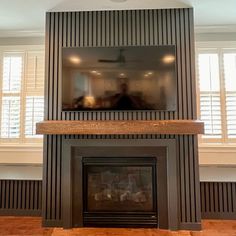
x=21, y=95
x=216, y=73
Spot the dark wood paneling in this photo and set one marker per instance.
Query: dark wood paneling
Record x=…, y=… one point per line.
x=122, y=28
x=218, y=200
x=21, y=197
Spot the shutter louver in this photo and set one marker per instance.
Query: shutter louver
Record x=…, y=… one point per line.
x=12, y=73
x=10, y=122
x=211, y=114
x=33, y=114
x=231, y=114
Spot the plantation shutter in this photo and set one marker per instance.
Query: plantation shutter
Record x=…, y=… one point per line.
x=11, y=87
x=34, y=89
x=33, y=114
x=35, y=72
x=21, y=95
x=230, y=92
x=10, y=123
x=210, y=98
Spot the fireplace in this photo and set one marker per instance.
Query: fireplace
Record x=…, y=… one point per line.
x=179, y=207
x=119, y=191
x=120, y=183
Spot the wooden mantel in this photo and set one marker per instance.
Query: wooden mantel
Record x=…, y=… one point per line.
x=120, y=127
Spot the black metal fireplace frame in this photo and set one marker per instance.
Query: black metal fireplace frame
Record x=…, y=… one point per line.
x=168, y=217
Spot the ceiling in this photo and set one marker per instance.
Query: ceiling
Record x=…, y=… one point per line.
x=27, y=17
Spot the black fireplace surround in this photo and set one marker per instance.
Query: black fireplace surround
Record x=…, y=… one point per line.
x=120, y=183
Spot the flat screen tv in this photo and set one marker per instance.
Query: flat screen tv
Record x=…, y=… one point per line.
x=119, y=78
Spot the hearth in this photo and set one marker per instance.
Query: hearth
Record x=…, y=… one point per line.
x=119, y=191
x=119, y=183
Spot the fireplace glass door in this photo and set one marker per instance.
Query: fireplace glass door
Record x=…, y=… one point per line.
x=119, y=190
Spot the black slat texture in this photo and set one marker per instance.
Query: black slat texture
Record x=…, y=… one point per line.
x=218, y=200
x=122, y=28
x=24, y=197
x=21, y=197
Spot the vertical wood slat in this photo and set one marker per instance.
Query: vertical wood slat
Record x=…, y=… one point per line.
x=21, y=196
x=233, y=194
x=27, y=196
x=186, y=180
x=221, y=197
x=216, y=194
x=15, y=194
x=224, y=195
x=39, y=194
x=7, y=205
x=11, y=191
x=196, y=179
x=229, y=197
x=118, y=28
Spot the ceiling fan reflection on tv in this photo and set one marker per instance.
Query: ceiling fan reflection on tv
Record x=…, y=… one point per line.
x=119, y=59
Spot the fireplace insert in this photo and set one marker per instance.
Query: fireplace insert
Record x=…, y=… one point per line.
x=119, y=191
x=119, y=183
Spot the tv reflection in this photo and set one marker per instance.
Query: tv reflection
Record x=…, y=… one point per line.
x=123, y=100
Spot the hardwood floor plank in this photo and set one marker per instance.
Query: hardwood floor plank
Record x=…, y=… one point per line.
x=19, y=226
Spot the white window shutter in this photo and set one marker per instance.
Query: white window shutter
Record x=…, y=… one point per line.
x=35, y=71
x=12, y=73
x=33, y=114
x=211, y=114
x=230, y=93
x=210, y=99
x=10, y=122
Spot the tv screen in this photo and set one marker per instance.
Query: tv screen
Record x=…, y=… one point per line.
x=119, y=78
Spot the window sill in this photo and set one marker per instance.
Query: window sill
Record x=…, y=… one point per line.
x=217, y=147
x=32, y=147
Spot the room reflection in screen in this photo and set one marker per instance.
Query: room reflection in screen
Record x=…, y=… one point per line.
x=129, y=78
x=131, y=90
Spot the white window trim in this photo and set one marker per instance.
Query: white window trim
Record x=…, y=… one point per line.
x=9, y=144
x=218, y=47
x=21, y=148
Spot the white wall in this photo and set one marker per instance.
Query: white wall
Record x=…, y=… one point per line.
x=217, y=173
x=17, y=171
x=204, y=37
x=22, y=41
x=21, y=155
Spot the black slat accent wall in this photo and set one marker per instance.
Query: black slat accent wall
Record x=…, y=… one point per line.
x=122, y=28
x=24, y=197
x=218, y=200
x=21, y=197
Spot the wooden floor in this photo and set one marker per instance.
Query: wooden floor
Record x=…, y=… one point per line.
x=32, y=226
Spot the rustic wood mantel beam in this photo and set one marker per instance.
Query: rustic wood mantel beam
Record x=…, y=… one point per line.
x=62, y=127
